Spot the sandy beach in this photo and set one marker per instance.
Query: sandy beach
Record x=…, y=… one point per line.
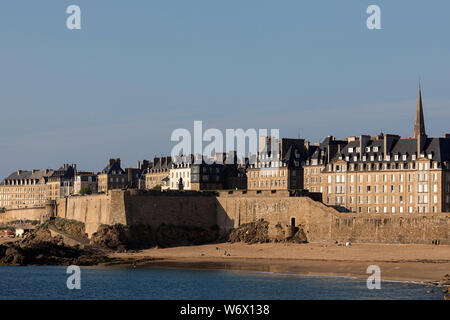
x=420, y=263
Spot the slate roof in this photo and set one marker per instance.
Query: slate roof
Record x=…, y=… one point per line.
x=25, y=175
x=438, y=147
x=113, y=166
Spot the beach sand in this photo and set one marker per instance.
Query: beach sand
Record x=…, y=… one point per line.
x=408, y=262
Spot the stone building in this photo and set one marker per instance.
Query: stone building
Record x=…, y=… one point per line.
x=112, y=177
x=320, y=155
x=157, y=175
x=84, y=181
x=278, y=165
x=23, y=189
x=190, y=175
x=217, y=173
x=136, y=176
x=61, y=182
x=386, y=174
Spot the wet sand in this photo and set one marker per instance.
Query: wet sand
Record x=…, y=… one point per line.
x=420, y=263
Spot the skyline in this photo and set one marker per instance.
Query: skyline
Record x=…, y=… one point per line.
x=119, y=86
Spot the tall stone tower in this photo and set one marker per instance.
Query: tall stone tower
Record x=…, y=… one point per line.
x=419, y=125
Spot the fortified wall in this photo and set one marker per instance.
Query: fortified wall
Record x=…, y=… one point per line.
x=35, y=213
x=229, y=210
x=323, y=223
x=134, y=207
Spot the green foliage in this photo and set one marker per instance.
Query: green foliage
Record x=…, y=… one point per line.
x=72, y=227
x=85, y=190
x=157, y=188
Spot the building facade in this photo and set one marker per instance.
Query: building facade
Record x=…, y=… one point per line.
x=157, y=175
x=22, y=189
x=386, y=174
x=278, y=165
x=112, y=177
x=188, y=174
x=85, y=181
x=60, y=183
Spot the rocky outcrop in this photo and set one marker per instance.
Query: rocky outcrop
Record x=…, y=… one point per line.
x=299, y=236
x=258, y=232
x=120, y=237
x=253, y=232
x=39, y=248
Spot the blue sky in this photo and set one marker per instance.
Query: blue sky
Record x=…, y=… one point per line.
x=137, y=70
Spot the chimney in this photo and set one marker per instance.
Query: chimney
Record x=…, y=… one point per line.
x=111, y=162
x=138, y=165
x=389, y=140
x=328, y=154
x=447, y=136
x=307, y=144
x=363, y=141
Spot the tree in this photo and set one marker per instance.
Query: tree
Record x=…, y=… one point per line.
x=86, y=190
x=157, y=187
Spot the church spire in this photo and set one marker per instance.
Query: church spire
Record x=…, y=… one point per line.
x=419, y=125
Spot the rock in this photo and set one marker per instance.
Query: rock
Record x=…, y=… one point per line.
x=446, y=290
x=447, y=297
x=121, y=238
x=253, y=232
x=39, y=248
x=299, y=237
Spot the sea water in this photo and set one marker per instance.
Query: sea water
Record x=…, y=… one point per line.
x=45, y=282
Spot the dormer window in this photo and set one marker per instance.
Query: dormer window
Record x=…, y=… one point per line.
x=405, y=157
x=375, y=149
x=430, y=156
x=350, y=150
x=367, y=149
x=396, y=157
x=355, y=158
x=414, y=157
x=358, y=149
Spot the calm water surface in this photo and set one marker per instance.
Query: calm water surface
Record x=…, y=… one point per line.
x=148, y=283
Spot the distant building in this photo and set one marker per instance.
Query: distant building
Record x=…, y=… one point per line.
x=278, y=165
x=112, y=177
x=215, y=174
x=136, y=176
x=85, y=180
x=24, y=189
x=61, y=182
x=384, y=174
x=158, y=173
x=320, y=155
